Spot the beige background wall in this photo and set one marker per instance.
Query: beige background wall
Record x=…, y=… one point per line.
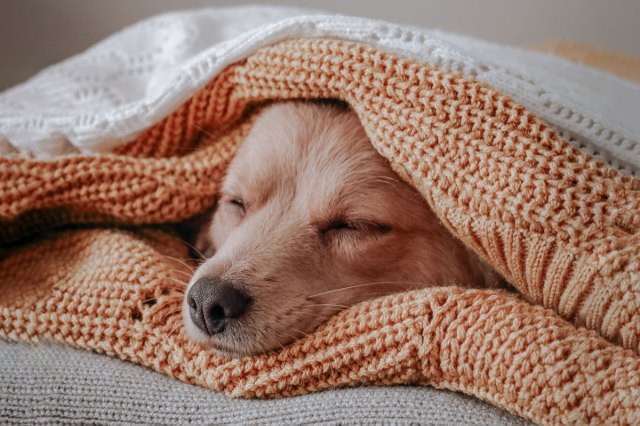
x=36, y=33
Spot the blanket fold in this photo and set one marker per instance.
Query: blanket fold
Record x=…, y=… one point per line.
x=120, y=293
x=560, y=226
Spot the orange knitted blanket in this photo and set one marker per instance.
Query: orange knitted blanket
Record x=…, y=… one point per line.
x=562, y=228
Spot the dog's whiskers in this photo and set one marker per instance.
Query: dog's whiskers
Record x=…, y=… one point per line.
x=282, y=333
x=191, y=246
x=171, y=313
x=178, y=271
x=303, y=334
x=176, y=328
x=181, y=282
x=327, y=304
x=408, y=284
x=300, y=311
x=180, y=261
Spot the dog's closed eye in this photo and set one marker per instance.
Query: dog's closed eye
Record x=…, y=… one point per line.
x=237, y=204
x=350, y=227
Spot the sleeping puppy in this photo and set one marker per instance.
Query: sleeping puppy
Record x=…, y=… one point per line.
x=310, y=220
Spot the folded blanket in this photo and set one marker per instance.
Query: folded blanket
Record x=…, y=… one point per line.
x=624, y=66
x=56, y=384
x=559, y=225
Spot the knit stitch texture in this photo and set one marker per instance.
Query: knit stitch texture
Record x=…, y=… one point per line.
x=561, y=227
x=54, y=384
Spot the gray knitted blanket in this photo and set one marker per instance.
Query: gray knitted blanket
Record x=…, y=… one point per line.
x=53, y=384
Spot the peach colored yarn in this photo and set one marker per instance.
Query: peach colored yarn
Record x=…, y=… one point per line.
x=623, y=65
x=560, y=226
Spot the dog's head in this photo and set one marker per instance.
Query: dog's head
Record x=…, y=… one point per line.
x=311, y=220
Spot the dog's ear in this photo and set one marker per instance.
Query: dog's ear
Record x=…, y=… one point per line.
x=195, y=232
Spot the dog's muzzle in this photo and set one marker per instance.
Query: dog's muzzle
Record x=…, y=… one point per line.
x=214, y=303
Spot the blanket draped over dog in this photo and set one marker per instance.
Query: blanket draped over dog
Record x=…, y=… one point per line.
x=562, y=227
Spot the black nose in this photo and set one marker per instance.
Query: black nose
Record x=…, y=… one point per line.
x=212, y=303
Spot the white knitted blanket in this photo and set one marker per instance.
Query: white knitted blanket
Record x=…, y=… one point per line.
x=104, y=97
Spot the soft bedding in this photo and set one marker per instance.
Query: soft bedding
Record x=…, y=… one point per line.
x=519, y=185
x=42, y=386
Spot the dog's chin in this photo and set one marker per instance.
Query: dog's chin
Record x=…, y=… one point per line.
x=222, y=347
x=211, y=343
x=223, y=344
x=224, y=350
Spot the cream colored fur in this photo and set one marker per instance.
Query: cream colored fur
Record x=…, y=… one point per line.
x=312, y=220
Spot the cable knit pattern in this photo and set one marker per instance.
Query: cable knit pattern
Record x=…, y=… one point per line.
x=559, y=225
